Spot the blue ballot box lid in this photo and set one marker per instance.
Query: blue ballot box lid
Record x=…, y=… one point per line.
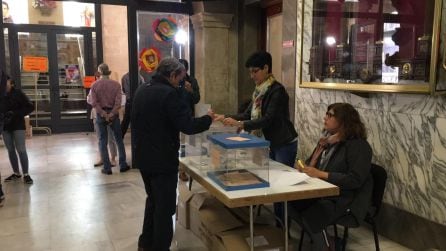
x=233, y=140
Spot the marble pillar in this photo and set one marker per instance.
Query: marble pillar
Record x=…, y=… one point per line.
x=289, y=33
x=215, y=52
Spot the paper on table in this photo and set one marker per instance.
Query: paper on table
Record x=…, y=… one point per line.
x=237, y=138
x=286, y=177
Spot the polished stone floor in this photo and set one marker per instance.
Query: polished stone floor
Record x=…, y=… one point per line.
x=72, y=206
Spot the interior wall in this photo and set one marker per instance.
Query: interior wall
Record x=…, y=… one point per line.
x=274, y=44
x=115, y=40
x=249, y=23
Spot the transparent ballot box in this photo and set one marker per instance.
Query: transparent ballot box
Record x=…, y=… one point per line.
x=198, y=144
x=238, y=161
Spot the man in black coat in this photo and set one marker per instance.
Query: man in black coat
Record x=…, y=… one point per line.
x=3, y=80
x=158, y=116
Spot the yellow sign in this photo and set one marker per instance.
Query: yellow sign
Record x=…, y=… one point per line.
x=35, y=64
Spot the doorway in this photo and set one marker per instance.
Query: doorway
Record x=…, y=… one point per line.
x=53, y=63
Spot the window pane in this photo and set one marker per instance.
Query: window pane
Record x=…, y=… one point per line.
x=370, y=41
x=70, y=61
x=49, y=12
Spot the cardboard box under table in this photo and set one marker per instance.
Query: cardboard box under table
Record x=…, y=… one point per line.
x=238, y=161
x=265, y=238
x=209, y=217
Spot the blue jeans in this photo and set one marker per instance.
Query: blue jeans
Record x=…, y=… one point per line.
x=286, y=155
x=15, y=140
x=103, y=139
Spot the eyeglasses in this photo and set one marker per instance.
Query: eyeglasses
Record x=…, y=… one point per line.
x=254, y=70
x=329, y=114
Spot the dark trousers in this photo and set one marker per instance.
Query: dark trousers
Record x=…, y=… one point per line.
x=126, y=119
x=157, y=231
x=314, y=215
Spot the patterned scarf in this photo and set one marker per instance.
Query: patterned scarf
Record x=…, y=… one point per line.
x=257, y=98
x=324, y=148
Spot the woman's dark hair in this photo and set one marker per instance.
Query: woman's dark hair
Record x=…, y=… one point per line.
x=6, y=4
x=185, y=63
x=260, y=59
x=348, y=117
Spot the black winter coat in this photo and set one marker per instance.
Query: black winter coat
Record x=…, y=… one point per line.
x=275, y=121
x=17, y=105
x=3, y=80
x=158, y=116
x=349, y=169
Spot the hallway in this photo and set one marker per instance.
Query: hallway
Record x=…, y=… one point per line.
x=72, y=206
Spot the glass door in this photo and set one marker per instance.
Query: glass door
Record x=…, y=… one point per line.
x=71, y=71
x=53, y=63
x=34, y=75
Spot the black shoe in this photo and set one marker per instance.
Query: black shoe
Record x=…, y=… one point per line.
x=99, y=163
x=2, y=195
x=27, y=179
x=13, y=177
x=108, y=172
x=125, y=169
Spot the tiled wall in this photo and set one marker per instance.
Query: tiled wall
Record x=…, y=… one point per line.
x=407, y=134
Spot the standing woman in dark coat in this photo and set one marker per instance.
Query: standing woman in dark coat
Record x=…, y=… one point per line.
x=3, y=80
x=268, y=114
x=17, y=106
x=342, y=157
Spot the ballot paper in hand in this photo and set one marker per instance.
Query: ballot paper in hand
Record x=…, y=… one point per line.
x=286, y=177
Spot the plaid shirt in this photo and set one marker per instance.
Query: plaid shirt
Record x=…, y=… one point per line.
x=106, y=94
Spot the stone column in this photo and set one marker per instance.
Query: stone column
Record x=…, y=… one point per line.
x=289, y=34
x=215, y=54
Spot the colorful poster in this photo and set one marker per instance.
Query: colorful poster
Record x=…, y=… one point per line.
x=72, y=74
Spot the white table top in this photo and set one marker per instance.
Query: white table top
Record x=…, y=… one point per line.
x=310, y=188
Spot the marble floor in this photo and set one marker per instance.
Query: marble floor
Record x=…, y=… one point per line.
x=72, y=206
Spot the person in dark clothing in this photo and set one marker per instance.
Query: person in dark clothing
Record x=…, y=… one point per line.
x=3, y=80
x=17, y=106
x=342, y=157
x=158, y=116
x=126, y=89
x=268, y=115
x=190, y=91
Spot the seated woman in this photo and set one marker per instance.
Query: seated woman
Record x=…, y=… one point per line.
x=342, y=157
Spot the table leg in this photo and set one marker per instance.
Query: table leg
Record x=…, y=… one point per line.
x=285, y=218
x=251, y=226
x=190, y=183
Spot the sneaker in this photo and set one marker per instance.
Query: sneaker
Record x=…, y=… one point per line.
x=108, y=172
x=125, y=169
x=13, y=177
x=27, y=179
